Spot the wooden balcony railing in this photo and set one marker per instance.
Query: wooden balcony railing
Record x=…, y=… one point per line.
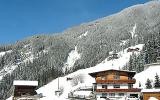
x=116, y=81
x=119, y=90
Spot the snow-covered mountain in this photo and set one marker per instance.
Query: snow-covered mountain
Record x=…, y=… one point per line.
x=45, y=57
x=48, y=90
x=68, y=87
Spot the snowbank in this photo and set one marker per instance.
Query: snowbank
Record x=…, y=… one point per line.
x=148, y=73
x=10, y=98
x=152, y=98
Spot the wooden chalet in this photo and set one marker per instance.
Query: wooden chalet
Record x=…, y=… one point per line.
x=115, y=84
x=132, y=49
x=148, y=93
x=113, y=56
x=25, y=90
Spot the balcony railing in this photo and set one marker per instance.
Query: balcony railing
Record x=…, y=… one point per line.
x=119, y=90
x=116, y=81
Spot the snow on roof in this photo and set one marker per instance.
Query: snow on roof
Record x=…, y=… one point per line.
x=25, y=83
x=152, y=98
x=151, y=90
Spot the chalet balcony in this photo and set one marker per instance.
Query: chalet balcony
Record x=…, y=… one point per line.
x=132, y=81
x=119, y=90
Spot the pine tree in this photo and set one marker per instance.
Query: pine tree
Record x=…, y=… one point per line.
x=148, y=84
x=130, y=64
x=157, y=81
x=158, y=39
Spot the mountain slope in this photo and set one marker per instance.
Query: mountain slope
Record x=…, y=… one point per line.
x=85, y=80
x=41, y=57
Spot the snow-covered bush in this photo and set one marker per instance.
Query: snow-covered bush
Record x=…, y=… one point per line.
x=77, y=79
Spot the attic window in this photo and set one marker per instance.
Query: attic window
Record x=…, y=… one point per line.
x=103, y=78
x=117, y=76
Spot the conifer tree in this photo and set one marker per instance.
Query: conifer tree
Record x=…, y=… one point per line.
x=148, y=84
x=157, y=81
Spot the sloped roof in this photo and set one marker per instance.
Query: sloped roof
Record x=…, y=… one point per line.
x=129, y=72
x=25, y=83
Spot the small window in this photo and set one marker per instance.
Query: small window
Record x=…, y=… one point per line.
x=121, y=94
x=117, y=76
x=112, y=94
x=116, y=86
x=103, y=78
x=104, y=86
x=130, y=86
x=104, y=94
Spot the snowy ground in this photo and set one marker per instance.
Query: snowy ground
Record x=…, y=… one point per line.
x=3, y=53
x=67, y=86
x=152, y=98
x=7, y=69
x=73, y=56
x=133, y=31
x=148, y=73
x=83, y=35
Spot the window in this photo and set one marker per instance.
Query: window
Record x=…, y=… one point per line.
x=121, y=94
x=103, y=78
x=116, y=86
x=130, y=78
x=104, y=86
x=130, y=86
x=117, y=76
x=112, y=94
x=104, y=94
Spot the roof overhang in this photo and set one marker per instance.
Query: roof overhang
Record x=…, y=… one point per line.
x=25, y=83
x=94, y=74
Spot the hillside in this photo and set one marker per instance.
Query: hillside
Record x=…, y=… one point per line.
x=85, y=80
x=46, y=57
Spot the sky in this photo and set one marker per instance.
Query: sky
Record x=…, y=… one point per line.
x=20, y=19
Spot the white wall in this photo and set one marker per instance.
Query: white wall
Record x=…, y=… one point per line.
x=116, y=95
x=99, y=86
x=110, y=86
x=124, y=86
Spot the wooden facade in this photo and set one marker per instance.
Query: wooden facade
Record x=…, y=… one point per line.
x=114, y=76
x=25, y=89
x=132, y=49
x=147, y=95
x=115, y=83
x=119, y=90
